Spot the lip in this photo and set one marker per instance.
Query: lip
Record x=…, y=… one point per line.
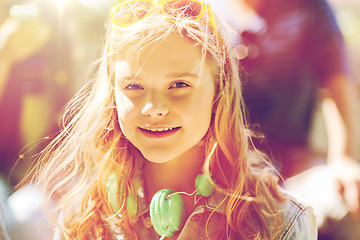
x=159, y=132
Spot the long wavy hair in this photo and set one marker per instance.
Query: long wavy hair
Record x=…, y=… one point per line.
x=74, y=168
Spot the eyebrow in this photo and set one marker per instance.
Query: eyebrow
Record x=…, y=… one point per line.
x=182, y=74
x=130, y=78
x=171, y=75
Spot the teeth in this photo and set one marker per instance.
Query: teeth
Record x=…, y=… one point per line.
x=159, y=129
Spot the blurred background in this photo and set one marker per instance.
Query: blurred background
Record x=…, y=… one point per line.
x=347, y=14
x=43, y=80
x=46, y=48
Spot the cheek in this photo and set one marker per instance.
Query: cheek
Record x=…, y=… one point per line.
x=125, y=107
x=198, y=110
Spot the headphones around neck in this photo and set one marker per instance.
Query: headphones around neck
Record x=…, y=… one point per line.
x=167, y=210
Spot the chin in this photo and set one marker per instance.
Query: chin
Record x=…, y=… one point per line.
x=159, y=157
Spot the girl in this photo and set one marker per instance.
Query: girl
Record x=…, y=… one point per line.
x=165, y=111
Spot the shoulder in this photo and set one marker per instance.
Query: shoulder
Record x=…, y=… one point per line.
x=298, y=219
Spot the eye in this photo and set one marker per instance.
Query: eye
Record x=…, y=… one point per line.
x=133, y=86
x=179, y=85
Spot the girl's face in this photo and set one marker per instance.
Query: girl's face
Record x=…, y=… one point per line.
x=164, y=99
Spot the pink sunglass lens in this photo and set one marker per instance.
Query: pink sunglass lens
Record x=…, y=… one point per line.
x=183, y=9
x=132, y=12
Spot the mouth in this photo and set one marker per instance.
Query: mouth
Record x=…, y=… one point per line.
x=159, y=132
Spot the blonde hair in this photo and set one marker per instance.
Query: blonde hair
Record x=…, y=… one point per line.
x=75, y=166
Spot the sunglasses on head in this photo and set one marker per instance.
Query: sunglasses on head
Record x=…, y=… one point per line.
x=132, y=11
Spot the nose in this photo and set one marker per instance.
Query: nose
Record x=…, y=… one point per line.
x=154, y=108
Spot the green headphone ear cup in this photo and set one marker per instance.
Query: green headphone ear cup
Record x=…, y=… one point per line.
x=203, y=185
x=131, y=205
x=175, y=213
x=112, y=191
x=154, y=213
x=167, y=213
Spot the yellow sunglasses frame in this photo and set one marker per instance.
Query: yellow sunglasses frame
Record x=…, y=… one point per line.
x=205, y=7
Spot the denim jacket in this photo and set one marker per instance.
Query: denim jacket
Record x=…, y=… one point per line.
x=298, y=221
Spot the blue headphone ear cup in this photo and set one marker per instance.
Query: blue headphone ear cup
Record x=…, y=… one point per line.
x=167, y=212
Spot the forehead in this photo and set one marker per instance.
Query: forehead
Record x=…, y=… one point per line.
x=165, y=45
x=173, y=51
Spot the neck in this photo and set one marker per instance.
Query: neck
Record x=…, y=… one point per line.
x=178, y=174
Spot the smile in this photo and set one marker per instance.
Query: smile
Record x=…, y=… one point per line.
x=159, y=132
x=158, y=129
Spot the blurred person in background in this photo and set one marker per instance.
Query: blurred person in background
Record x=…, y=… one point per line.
x=44, y=48
x=35, y=69
x=34, y=72
x=298, y=52
x=21, y=38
